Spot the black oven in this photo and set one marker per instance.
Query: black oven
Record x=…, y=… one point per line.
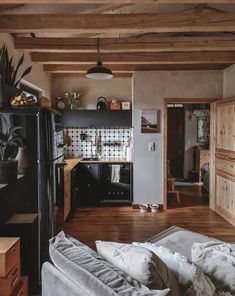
x=116, y=180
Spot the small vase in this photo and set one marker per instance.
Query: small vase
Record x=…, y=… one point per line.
x=23, y=160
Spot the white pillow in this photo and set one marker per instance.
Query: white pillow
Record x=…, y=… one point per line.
x=190, y=277
x=141, y=264
x=217, y=260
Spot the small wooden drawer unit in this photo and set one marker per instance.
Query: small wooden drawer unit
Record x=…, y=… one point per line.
x=9, y=283
x=22, y=289
x=9, y=254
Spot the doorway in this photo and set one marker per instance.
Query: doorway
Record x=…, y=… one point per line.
x=186, y=152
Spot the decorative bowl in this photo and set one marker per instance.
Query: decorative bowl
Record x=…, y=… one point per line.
x=154, y=208
x=143, y=208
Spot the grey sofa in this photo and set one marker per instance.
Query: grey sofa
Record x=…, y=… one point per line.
x=56, y=283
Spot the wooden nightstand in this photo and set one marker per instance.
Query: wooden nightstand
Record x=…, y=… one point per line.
x=11, y=282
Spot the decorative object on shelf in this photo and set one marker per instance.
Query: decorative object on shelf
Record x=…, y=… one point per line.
x=99, y=71
x=150, y=121
x=9, y=75
x=126, y=105
x=44, y=102
x=101, y=104
x=10, y=141
x=73, y=99
x=115, y=105
x=23, y=101
x=203, y=130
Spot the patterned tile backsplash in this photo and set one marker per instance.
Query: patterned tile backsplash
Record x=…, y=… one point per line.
x=113, y=142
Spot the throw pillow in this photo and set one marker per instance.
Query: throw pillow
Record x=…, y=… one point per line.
x=90, y=271
x=217, y=260
x=191, y=278
x=140, y=263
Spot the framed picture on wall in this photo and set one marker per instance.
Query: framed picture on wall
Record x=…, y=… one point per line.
x=150, y=121
x=203, y=129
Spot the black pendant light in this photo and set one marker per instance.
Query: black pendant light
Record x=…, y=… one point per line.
x=99, y=72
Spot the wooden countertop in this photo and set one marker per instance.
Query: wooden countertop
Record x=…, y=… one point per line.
x=72, y=162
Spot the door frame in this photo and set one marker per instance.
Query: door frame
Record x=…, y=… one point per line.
x=184, y=101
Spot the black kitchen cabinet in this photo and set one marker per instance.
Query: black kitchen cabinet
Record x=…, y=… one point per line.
x=88, y=184
x=97, y=118
x=92, y=184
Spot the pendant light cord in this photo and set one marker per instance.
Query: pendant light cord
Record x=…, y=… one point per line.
x=98, y=47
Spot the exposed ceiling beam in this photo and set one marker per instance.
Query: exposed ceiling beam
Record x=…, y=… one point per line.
x=205, y=21
x=73, y=69
x=207, y=57
x=83, y=75
x=133, y=44
x=111, y=1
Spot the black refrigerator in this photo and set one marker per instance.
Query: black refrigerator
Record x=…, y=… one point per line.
x=27, y=204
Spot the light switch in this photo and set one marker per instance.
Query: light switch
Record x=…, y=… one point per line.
x=152, y=146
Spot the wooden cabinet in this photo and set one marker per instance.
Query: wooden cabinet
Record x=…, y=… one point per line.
x=97, y=118
x=225, y=159
x=9, y=254
x=11, y=283
x=67, y=194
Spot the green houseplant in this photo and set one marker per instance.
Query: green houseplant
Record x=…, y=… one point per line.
x=9, y=75
x=10, y=141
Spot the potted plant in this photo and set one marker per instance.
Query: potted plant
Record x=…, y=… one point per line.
x=10, y=141
x=9, y=75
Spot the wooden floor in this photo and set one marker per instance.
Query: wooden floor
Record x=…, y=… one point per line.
x=189, y=196
x=124, y=224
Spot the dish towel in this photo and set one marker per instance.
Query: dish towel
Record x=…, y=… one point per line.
x=115, y=173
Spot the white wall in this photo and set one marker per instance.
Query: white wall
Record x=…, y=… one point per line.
x=229, y=85
x=149, y=90
x=37, y=76
x=118, y=88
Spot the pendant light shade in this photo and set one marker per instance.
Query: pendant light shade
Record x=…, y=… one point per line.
x=99, y=72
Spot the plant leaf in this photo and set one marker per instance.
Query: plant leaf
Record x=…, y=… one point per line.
x=13, y=79
x=26, y=72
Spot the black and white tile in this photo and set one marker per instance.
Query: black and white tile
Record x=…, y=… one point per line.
x=113, y=142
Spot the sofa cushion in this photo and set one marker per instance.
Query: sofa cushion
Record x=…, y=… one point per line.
x=141, y=264
x=191, y=278
x=95, y=276
x=181, y=241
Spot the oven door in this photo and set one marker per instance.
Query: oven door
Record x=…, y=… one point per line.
x=116, y=189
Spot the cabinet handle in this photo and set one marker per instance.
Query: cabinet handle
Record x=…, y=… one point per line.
x=14, y=272
x=15, y=281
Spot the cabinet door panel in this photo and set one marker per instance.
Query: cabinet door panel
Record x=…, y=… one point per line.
x=225, y=190
x=225, y=131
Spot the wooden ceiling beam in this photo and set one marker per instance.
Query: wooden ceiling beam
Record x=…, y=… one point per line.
x=134, y=44
x=206, y=57
x=206, y=21
x=112, y=1
x=76, y=69
x=83, y=75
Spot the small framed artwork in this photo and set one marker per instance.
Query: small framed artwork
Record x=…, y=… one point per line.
x=150, y=121
x=203, y=129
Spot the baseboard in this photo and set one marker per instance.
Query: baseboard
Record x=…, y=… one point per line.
x=136, y=207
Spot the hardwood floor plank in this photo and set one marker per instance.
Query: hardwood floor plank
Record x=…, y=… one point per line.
x=124, y=224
